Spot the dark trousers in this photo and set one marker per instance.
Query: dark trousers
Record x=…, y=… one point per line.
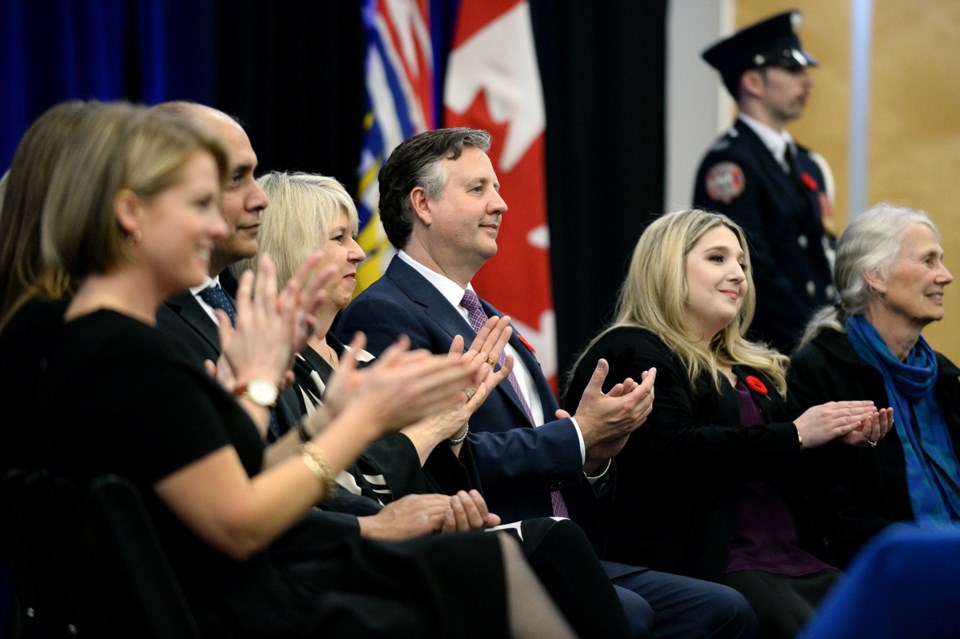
x=783, y=604
x=663, y=606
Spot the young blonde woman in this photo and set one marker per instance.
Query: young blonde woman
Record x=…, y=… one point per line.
x=711, y=486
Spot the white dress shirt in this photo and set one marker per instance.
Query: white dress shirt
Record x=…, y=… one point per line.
x=776, y=141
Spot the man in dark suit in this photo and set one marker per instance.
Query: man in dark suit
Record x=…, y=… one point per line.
x=190, y=315
x=775, y=189
x=440, y=206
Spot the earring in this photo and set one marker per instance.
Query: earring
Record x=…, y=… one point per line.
x=134, y=238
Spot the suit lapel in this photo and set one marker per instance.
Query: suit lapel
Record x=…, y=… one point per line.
x=186, y=306
x=763, y=393
x=767, y=161
x=547, y=399
x=436, y=306
x=811, y=195
x=424, y=294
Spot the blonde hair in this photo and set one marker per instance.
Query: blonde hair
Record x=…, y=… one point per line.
x=124, y=147
x=654, y=294
x=303, y=209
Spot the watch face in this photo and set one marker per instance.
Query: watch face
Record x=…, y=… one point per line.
x=262, y=392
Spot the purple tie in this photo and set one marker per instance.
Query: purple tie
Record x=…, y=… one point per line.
x=477, y=318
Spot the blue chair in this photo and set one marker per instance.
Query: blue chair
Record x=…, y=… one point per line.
x=904, y=583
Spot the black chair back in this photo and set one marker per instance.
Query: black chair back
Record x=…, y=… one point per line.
x=85, y=560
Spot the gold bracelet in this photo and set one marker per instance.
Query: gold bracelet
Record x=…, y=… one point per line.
x=318, y=464
x=800, y=439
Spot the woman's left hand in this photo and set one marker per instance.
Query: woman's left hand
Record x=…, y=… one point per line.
x=871, y=430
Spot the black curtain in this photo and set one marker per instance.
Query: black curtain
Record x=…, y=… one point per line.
x=603, y=68
x=293, y=72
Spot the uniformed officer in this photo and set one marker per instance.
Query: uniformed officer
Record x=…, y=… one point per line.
x=777, y=190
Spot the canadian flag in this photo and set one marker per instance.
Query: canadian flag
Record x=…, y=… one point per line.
x=493, y=82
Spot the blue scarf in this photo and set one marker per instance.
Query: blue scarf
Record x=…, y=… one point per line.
x=917, y=418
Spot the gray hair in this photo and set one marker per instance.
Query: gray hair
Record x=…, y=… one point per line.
x=870, y=244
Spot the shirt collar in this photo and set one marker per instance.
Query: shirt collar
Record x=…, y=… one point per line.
x=207, y=281
x=776, y=141
x=450, y=290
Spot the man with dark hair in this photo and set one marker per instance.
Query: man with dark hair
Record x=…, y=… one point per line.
x=772, y=187
x=440, y=207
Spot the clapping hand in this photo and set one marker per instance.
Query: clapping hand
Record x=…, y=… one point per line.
x=260, y=345
x=401, y=387
x=826, y=422
x=871, y=430
x=483, y=354
x=300, y=299
x=607, y=419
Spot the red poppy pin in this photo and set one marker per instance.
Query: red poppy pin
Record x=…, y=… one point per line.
x=527, y=344
x=756, y=384
x=810, y=183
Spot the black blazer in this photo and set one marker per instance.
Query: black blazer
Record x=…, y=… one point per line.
x=674, y=504
x=781, y=216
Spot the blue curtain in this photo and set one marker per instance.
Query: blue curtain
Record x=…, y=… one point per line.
x=143, y=51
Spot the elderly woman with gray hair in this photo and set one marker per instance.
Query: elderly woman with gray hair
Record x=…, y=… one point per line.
x=891, y=279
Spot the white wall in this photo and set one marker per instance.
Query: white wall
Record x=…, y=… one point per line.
x=698, y=107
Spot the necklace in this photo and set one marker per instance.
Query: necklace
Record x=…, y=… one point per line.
x=331, y=355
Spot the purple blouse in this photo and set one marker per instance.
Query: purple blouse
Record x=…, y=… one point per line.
x=765, y=534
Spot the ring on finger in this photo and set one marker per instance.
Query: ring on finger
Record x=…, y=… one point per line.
x=491, y=362
x=468, y=393
x=871, y=443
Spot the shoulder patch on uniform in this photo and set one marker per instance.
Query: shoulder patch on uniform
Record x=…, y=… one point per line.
x=725, y=181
